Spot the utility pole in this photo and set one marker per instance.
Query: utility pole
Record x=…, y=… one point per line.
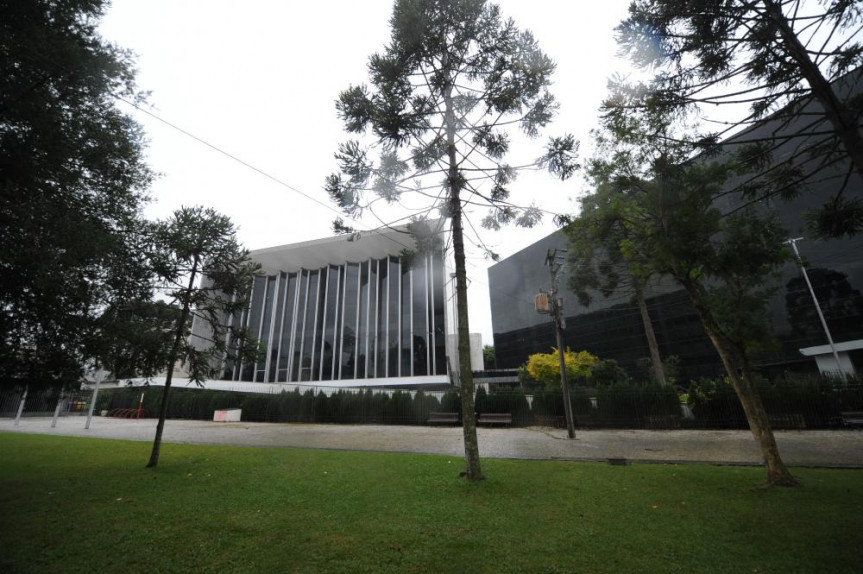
x=793, y=243
x=554, y=263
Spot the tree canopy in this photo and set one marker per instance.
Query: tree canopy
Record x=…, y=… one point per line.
x=793, y=60
x=72, y=182
x=666, y=206
x=453, y=79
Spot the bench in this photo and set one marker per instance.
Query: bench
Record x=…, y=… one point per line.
x=443, y=418
x=792, y=421
x=495, y=419
x=852, y=418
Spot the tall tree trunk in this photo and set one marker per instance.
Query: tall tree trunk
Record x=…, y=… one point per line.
x=737, y=369
x=172, y=359
x=652, y=345
x=471, y=444
x=838, y=114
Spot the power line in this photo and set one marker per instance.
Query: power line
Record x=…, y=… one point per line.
x=256, y=169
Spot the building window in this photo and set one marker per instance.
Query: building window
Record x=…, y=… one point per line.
x=374, y=319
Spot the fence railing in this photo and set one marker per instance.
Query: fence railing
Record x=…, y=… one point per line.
x=789, y=407
x=42, y=403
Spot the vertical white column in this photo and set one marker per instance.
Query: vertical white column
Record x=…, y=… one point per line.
x=324, y=322
x=273, y=308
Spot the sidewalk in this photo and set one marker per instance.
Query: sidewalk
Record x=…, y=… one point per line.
x=799, y=448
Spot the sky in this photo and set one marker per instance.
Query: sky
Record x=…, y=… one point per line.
x=258, y=80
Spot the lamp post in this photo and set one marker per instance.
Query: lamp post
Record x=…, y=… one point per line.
x=554, y=263
x=793, y=243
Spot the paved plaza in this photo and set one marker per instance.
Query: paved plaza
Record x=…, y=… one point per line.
x=798, y=448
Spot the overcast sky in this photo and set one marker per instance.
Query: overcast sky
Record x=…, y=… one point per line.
x=258, y=79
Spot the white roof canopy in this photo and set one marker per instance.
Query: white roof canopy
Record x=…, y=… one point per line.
x=333, y=250
x=840, y=347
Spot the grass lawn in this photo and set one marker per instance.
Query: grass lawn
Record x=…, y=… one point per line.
x=89, y=505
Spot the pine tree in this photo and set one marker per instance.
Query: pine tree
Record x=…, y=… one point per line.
x=207, y=274
x=794, y=60
x=454, y=76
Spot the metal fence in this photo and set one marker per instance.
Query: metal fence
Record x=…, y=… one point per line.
x=789, y=407
x=42, y=403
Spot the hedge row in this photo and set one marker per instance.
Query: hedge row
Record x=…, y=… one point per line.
x=714, y=405
x=812, y=403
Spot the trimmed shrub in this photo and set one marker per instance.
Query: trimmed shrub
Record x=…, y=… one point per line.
x=510, y=400
x=450, y=402
x=623, y=406
x=715, y=405
x=549, y=403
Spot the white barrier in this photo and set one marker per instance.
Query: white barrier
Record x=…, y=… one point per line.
x=227, y=415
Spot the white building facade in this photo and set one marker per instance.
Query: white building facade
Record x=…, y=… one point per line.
x=335, y=312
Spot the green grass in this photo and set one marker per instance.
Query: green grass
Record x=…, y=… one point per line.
x=85, y=505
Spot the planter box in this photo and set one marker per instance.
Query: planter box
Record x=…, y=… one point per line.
x=227, y=416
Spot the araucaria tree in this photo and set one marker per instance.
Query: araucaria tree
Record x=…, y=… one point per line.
x=72, y=183
x=774, y=57
x=207, y=274
x=452, y=79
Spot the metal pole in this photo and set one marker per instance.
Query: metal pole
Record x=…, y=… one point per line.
x=100, y=374
x=557, y=312
x=793, y=243
x=57, y=409
x=21, y=406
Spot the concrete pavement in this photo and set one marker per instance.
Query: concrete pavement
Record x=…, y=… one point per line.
x=798, y=448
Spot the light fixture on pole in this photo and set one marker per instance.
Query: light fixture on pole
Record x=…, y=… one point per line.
x=552, y=304
x=793, y=243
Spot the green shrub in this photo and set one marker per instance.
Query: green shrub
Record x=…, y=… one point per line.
x=450, y=402
x=549, y=403
x=715, y=404
x=509, y=400
x=624, y=406
x=607, y=372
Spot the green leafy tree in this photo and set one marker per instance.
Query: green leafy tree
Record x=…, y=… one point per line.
x=72, y=182
x=776, y=57
x=594, y=250
x=607, y=373
x=207, y=274
x=727, y=264
x=453, y=78
x=488, y=357
x=545, y=367
x=134, y=338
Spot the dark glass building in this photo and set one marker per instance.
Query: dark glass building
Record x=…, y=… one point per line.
x=612, y=329
x=349, y=313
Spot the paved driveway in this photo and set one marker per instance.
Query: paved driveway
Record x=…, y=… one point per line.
x=801, y=448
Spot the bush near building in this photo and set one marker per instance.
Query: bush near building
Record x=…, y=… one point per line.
x=809, y=403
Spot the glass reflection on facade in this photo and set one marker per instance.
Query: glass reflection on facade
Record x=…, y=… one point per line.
x=611, y=326
x=379, y=318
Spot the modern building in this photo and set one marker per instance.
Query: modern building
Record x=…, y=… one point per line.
x=611, y=327
x=350, y=312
